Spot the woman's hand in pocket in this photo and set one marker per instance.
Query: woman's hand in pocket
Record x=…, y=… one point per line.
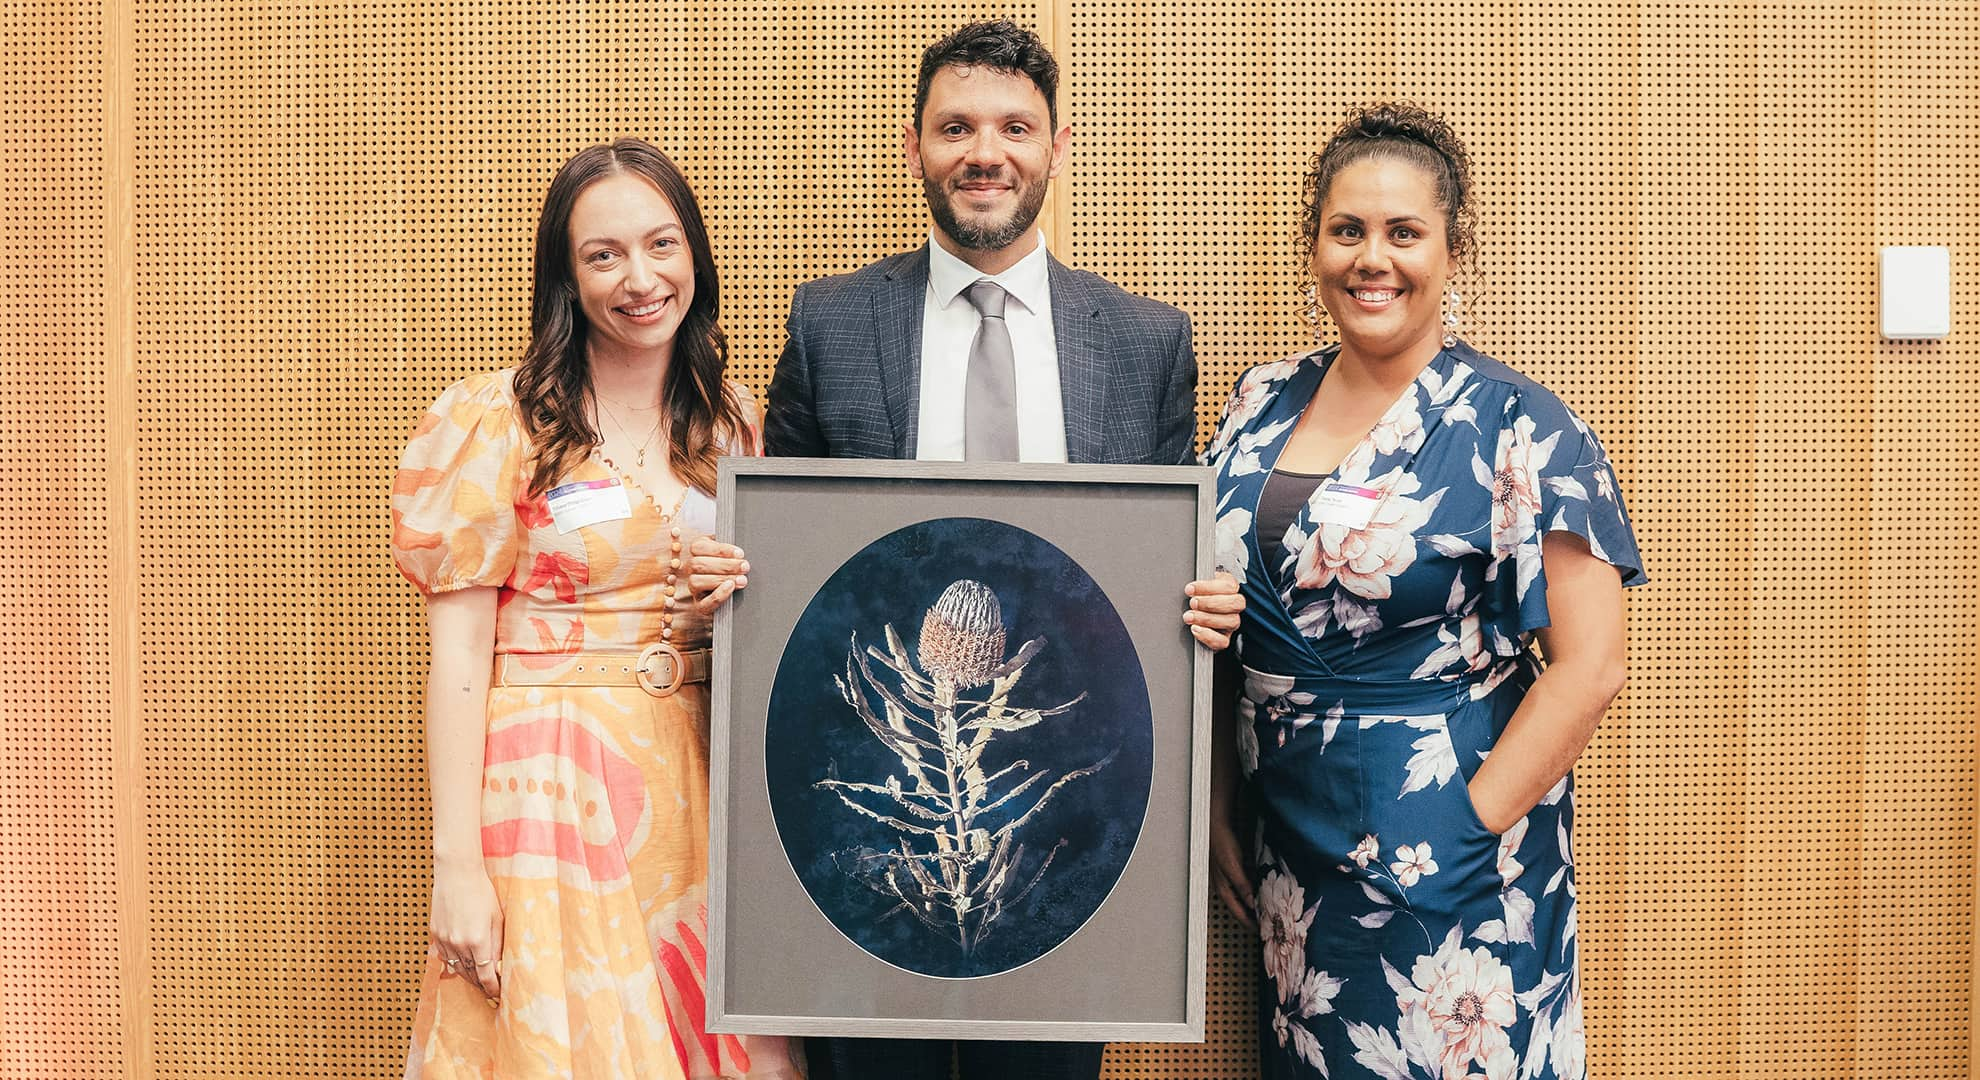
x=1491, y=807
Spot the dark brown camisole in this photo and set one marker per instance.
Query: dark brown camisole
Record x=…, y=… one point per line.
x=1285, y=493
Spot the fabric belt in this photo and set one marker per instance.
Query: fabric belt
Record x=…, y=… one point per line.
x=660, y=670
x=1398, y=697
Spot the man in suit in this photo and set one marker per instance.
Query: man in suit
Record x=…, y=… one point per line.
x=980, y=346
x=877, y=361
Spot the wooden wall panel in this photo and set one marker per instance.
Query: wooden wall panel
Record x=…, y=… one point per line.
x=281, y=775
x=330, y=210
x=1915, y=976
x=1693, y=496
x=1816, y=314
x=61, y=1008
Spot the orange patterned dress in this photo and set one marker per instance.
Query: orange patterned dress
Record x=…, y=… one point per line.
x=594, y=809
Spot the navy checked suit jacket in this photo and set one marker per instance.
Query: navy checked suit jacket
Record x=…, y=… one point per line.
x=848, y=383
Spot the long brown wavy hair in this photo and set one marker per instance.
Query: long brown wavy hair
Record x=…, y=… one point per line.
x=553, y=380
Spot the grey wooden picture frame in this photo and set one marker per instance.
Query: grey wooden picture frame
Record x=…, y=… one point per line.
x=1134, y=971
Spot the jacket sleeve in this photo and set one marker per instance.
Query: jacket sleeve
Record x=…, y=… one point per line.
x=1176, y=420
x=790, y=426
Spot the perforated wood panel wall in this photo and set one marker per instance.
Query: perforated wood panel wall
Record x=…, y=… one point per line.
x=276, y=277
x=1682, y=205
x=1692, y=695
x=61, y=1012
x=330, y=213
x=1922, y=555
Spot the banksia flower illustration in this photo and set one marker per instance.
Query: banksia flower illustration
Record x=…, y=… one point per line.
x=957, y=864
x=962, y=636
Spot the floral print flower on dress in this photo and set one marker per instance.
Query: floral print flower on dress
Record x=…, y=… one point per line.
x=1514, y=480
x=1233, y=553
x=1509, y=841
x=1368, y=850
x=1400, y=429
x=1365, y=560
x=1456, y=1006
x=1570, y=1043
x=1413, y=864
x=1283, y=920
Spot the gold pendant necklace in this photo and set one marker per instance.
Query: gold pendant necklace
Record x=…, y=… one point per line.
x=640, y=449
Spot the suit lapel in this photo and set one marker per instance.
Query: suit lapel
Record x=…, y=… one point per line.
x=897, y=321
x=1077, y=331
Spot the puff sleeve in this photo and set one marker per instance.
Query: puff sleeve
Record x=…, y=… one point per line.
x=454, y=519
x=1550, y=474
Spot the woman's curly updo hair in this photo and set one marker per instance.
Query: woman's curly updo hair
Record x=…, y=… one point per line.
x=1400, y=132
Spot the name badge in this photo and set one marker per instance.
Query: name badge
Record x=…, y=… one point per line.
x=588, y=502
x=1345, y=505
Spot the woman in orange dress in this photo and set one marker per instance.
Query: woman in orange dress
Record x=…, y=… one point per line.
x=546, y=512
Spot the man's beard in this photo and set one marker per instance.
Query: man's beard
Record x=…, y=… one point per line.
x=991, y=237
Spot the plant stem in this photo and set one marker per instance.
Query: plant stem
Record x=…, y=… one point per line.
x=957, y=871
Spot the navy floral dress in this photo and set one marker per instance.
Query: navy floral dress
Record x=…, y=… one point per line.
x=1383, y=657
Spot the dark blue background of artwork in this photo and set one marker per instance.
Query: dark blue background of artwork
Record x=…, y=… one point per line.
x=1042, y=592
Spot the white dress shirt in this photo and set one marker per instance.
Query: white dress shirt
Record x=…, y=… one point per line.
x=948, y=326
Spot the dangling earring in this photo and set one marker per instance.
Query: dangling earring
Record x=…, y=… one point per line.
x=1452, y=302
x=1309, y=308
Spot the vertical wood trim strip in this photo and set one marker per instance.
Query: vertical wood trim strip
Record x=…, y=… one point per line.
x=1055, y=26
x=120, y=335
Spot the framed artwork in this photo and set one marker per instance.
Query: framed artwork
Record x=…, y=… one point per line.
x=960, y=752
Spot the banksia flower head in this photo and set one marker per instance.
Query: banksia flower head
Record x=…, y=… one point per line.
x=962, y=636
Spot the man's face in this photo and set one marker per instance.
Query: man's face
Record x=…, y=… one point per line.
x=983, y=155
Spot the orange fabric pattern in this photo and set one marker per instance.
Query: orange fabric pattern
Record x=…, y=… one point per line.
x=594, y=805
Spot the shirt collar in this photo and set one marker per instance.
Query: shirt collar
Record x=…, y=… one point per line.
x=1028, y=282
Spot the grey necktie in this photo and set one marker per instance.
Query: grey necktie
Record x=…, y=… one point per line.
x=990, y=390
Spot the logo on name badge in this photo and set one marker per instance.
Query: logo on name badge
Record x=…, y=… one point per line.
x=588, y=502
x=1346, y=505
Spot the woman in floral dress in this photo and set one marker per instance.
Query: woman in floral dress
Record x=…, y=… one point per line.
x=547, y=512
x=1407, y=515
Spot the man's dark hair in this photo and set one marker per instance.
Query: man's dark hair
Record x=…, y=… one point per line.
x=1001, y=46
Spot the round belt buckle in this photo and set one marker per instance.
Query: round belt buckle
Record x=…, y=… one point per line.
x=649, y=658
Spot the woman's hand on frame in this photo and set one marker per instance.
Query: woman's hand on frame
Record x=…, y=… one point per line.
x=715, y=571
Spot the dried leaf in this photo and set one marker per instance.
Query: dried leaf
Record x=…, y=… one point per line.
x=892, y=823
x=902, y=665
x=1014, y=792
x=1056, y=785
x=900, y=798
x=1021, y=719
x=1015, y=665
x=881, y=689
